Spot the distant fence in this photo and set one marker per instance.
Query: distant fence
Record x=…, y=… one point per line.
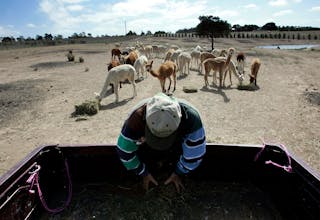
x=294, y=35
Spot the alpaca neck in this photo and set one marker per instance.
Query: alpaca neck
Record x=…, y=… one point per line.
x=154, y=73
x=228, y=60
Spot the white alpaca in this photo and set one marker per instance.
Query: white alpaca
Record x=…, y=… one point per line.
x=168, y=55
x=115, y=76
x=233, y=69
x=162, y=49
x=175, y=55
x=184, y=60
x=147, y=51
x=195, y=58
x=140, y=65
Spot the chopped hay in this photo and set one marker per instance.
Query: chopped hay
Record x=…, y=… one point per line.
x=250, y=87
x=200, y=200
x=189, y=89
x=86, y=108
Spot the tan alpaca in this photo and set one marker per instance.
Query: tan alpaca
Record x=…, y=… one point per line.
x=166, y=70
x=219, y=64
x=255, y=66
x=203, y=57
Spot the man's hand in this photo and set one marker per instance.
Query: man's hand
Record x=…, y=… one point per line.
x=146, y=181
x=176, y=180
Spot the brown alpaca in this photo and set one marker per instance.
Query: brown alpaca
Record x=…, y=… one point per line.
x=115, y=53
x=204, y=56
x=131, y=58
x=255, y=66
x=219, y=64
x=166, y=70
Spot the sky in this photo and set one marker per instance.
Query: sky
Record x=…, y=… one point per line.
x=29, y=18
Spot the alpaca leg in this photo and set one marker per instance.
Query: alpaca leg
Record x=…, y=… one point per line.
x=230, y=77
x=169, y=84
x=224, y=78
x=220, y=78
x=116, y=91
x=174, y=82
x=103, y=92
x=206, y=79
x=162, y=82
x=134, y=88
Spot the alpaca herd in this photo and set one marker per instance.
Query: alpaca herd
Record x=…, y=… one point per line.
x=135, y=62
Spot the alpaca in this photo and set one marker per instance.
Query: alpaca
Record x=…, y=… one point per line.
x=114, y=63
x=115, y=53
x=233, y=69
x=195, y=57
x=255, y=66
x=131, y=58
x=220, y=64
x=203, y=57
x=166, y=70
x=240, y=62
x=140, y=65
x=116, y=75
x=175, y=55
x=219, y=53
x=184, y=60
x=147, y=51
x=169, y=54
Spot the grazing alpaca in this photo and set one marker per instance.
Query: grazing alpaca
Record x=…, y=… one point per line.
x=115, y=53
x=232, y=68
x=184, y=60
x=219, y=64
x=166, y=70
x=115, y=76
x=240, y=62
x=255, y=66
x=113, y=63
x=131, y=58
x=140, y=65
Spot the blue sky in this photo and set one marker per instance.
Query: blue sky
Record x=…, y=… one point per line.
x=29, y=18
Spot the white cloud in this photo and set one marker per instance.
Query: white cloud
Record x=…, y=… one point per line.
x=250, y=6
x=75, y=7
x=297, y=1
x=8, y=31
x=30, y=25
x=109, y=18
x=278, y=3
x=228, y=13
x=282, y=13
x=73, y=1
x=316, y=8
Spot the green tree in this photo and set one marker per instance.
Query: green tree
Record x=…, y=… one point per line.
x=271, y=26
x=213, y=27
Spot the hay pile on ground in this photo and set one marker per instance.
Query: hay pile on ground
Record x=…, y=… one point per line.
x=89, y=107
x=189, y=89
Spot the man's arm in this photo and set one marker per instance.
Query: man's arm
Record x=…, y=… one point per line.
x=193, y=150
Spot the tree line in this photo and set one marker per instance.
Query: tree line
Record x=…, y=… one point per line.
x=211, y=26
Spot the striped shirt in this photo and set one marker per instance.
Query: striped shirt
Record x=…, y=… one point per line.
x=191, y=131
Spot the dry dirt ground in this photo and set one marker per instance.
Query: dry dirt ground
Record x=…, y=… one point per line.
x=39, y=91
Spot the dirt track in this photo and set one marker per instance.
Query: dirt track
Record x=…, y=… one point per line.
x=39, y=89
